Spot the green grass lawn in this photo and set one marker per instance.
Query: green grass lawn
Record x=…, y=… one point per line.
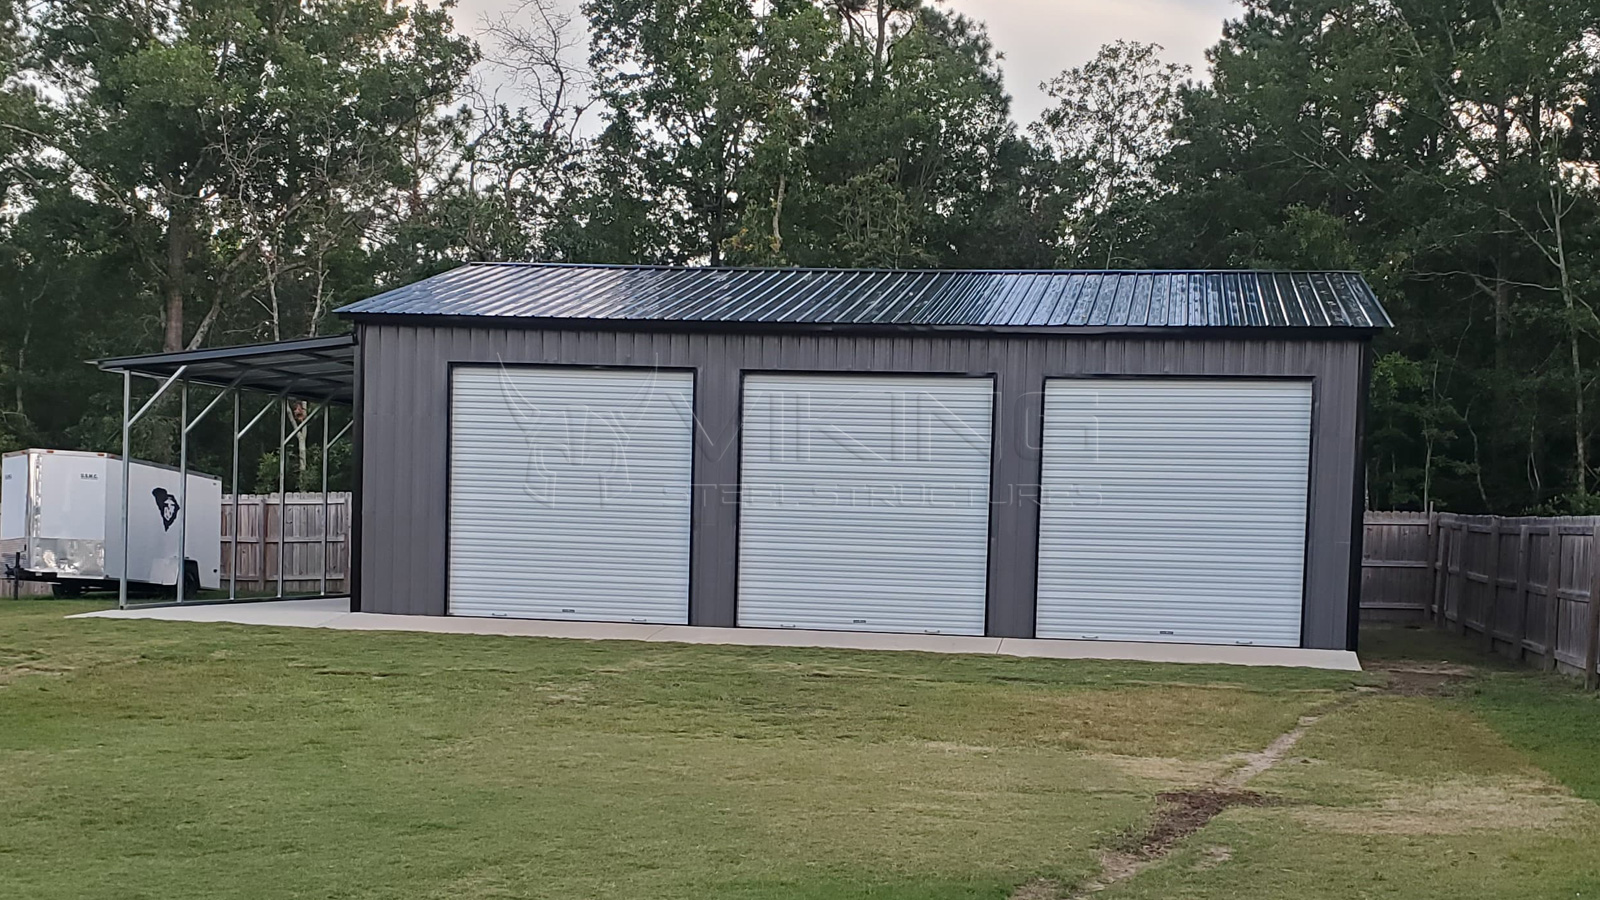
x=167, y=760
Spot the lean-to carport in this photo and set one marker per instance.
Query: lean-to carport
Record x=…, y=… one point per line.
x=319, y=372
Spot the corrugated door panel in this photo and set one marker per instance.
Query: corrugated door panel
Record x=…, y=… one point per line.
x=864, y=503
x=569, y=493
x=1174, y=510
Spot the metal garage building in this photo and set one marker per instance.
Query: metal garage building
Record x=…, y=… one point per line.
x=1143, y=456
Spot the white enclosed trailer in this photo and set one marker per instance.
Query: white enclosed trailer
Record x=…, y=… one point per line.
x=61, y=521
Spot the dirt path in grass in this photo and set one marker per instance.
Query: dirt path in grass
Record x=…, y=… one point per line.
x=1182, y=813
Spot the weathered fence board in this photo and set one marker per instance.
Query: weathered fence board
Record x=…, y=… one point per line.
x=1396, y=565
x=1519, y=586
x=259, y=528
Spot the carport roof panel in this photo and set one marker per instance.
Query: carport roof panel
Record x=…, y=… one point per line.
x=315, y=369
x=1047, y=300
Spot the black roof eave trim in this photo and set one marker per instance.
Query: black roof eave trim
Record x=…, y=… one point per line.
x=1211, y=332
x=265, y=368
x=226, y=354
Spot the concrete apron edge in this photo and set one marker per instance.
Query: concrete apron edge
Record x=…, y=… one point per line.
x=318, y=614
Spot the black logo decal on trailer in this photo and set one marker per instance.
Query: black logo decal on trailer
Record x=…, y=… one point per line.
x=168, y=505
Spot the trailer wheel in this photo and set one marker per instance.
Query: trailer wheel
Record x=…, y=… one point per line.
x=66, y=590
x=191, y=579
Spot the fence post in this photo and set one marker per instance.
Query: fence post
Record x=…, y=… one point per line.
x=1434, y=548
x=1591, y=654
x=261, y=542
x=341, y=553
x=1519, y=634
x=230, y=535
x=1447, y=547
x=1458, y=583
x=1552, y=596
x=1491, y=577
x=1441, y=586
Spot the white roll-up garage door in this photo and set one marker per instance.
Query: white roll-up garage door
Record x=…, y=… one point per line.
x=1174, y=510
x=864, y=503
x=569, y=493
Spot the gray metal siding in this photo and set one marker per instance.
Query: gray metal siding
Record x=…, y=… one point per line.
x=405, y=429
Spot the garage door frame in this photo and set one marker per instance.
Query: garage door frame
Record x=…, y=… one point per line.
x=1316, y=387
x=990, y=526
x=449, y=450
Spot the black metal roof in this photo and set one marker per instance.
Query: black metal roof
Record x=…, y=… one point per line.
x=859, y=297
x=317, y=369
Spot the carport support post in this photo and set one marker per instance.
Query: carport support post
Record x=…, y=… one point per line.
x=261, y=531
x=183, y=482
x=283, y=449
x=322, y=571
x=127, y=411
x=128, y=418
x=187, y=425
x=233, y=545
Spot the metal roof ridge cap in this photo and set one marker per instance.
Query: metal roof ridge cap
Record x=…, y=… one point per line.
x=913, y=270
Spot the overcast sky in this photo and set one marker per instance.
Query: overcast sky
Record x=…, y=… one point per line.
x=1040, y=38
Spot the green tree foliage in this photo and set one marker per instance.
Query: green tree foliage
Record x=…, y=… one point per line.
x=229, y=139
x=196, y=172
x=1110, y=127
x=1445, y=149
x=703, y=92
x=911, y=158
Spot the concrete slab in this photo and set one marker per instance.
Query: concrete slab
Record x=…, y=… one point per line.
x=591, y=631
x=287, y=613
x=1338, y=660
x=334, y=613
x=831, y=640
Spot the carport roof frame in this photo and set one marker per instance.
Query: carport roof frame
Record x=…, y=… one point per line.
x=316, y=369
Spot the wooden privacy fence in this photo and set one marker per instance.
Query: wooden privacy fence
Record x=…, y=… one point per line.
x=1396, y=566
x=1523, y=587
x=302, y=542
